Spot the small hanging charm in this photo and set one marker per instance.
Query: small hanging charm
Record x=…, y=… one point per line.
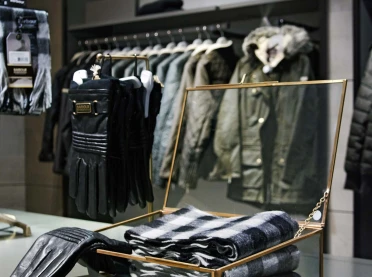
x=317, y=216
x=96, y=69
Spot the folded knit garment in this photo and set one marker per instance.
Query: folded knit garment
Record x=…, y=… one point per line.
x=18, y=100
x=278, y=264
x=197, y=237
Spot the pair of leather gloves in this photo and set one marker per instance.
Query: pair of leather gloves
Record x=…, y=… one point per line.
x=56, y=253
x=111, y=145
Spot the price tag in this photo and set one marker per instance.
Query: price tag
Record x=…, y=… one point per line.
x=19, y=57
x=19, y=62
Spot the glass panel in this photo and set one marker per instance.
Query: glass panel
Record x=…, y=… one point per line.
x=248, y=150
x=310, y=258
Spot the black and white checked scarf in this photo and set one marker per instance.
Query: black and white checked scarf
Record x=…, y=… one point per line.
x=193, y=236
x=26, y=101
x=278, y=264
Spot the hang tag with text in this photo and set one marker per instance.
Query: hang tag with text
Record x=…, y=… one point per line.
x=19, y=62
x=29, y=25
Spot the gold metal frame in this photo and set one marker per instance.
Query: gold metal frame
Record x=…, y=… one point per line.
x=123, y=57
x=310, y=228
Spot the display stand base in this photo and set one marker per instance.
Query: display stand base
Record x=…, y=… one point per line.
x=11, y=220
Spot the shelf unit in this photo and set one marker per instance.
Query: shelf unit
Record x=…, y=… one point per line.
x=195, y=17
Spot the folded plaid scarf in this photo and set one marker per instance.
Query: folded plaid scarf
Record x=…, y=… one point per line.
x=193, y=236
x=38, y=99
x=282, y=261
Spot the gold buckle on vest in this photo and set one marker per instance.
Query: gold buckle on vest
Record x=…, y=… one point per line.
x=83, y=108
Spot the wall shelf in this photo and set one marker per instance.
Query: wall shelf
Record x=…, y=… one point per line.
x=195, y=17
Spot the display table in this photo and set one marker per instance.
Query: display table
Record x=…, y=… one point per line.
x=12, y=251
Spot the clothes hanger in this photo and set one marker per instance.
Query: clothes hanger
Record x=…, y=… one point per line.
x=134, y=79
x=222, y=42
x=182, y=45
x=116, y=50
x=265, y=22
x=156, y=49
x=205, y=45
x=149, y=48
x=265, y=11
x=93, y=53
x=109, y=47
x=87, y=54
x=147, y=80
x=78, y=54
x=79, y=76
x=127, y=48
x=170, y=46
x=136, y=50
x=196, y=42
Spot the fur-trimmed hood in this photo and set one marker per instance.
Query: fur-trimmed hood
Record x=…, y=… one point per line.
x=299, y=43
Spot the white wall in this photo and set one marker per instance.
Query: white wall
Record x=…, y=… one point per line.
x=12, y=162
x=340, y=53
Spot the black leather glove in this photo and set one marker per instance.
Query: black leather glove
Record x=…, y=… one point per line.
x=89, y=179
x=56, y=253
x=154, y=109
x=125, y=114
x=138, y=148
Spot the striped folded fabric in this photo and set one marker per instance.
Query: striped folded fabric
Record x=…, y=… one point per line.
x=278, y=264
x=194, y=236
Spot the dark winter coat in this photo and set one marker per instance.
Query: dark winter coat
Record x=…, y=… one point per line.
x=358, y=163
x=265, y=137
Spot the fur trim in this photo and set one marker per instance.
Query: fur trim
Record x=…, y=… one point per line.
x=300, y=42
x=252, y=39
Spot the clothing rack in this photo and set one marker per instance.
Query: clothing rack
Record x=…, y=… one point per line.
x=173, y=35
x=123, y=57
x=11, y=220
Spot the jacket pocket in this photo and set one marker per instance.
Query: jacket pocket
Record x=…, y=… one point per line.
x=252, y=155
x=252, y=166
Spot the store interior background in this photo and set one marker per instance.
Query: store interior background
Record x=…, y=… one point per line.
x=26, y=184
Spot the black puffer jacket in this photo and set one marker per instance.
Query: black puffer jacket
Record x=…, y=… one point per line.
x=358, y=163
